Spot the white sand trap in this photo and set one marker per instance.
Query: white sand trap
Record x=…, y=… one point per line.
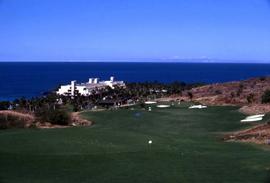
x=150, y=102
x=163, y=106
x=197, y=107
x=255, y=116
x=252, y=119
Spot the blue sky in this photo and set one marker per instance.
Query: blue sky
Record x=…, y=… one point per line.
x=64, y=30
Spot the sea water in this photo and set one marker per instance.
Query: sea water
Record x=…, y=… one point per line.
x=28, y=79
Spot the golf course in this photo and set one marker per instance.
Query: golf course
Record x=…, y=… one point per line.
x=186, y=146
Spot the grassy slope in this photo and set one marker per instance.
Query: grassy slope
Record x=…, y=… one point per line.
x=186, y=148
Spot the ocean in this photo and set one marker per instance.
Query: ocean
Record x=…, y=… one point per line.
x=29, y=79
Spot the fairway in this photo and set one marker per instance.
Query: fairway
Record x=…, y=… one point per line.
x=186, y=147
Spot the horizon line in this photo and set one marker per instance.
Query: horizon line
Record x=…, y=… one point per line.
x=148, y=60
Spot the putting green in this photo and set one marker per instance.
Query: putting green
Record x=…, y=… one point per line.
x=186, y=147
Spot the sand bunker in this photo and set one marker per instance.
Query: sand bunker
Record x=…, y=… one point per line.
x=197, y=107
x=150, y=102
x=163, y=106
x=253, y=118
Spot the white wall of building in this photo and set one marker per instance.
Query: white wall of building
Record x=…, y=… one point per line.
x=64, y=89
x=86, y=89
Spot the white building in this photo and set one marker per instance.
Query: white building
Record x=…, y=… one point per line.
x=87, y=89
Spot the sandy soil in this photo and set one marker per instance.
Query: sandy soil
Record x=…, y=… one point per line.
x=30, y=120
x=255, y=109
x=18, y=114
x=78, y=121
x=259, y=134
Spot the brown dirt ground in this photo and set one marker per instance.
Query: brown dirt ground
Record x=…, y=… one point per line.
x=255, y=109
x=30, y=120
x=27, y=118
x=259, y=134
x=78, y=121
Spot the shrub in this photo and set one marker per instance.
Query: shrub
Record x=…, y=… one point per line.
x=75, y=108
x=190, y=95
x=218, y=92
x=250, y=98
x=142, y=104
x=4, y=105
x=266, y=97
x=54, y=116
x=262, y=78
x=9, y=121
x=240, y=89
x=232, y=95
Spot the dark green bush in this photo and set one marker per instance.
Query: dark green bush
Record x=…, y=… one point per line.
x=53, y=116
x=190, y=95
x=142, y=104
x=250, y=98
x=9, y=121
x=218, y=92
x=266, y=97
x=262, y=78
x=4, y=105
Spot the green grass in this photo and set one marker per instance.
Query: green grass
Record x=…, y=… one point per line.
x=187, y=147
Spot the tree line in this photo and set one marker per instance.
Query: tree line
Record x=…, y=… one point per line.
x=133, y=91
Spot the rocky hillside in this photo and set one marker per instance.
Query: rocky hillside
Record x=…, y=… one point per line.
x=242, y=93
x=259, y=134
x=246, y=93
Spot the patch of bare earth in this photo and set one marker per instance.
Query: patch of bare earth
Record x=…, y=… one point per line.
x=18, y=114
x=259, y=134
x=77, y=120
x=172, y=98
x=241, y=93
x=255, y=109
x=47, y=125
x=27, y=120
x=246, y=93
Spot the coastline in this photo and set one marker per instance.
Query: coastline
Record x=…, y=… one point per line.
x=30, y=80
